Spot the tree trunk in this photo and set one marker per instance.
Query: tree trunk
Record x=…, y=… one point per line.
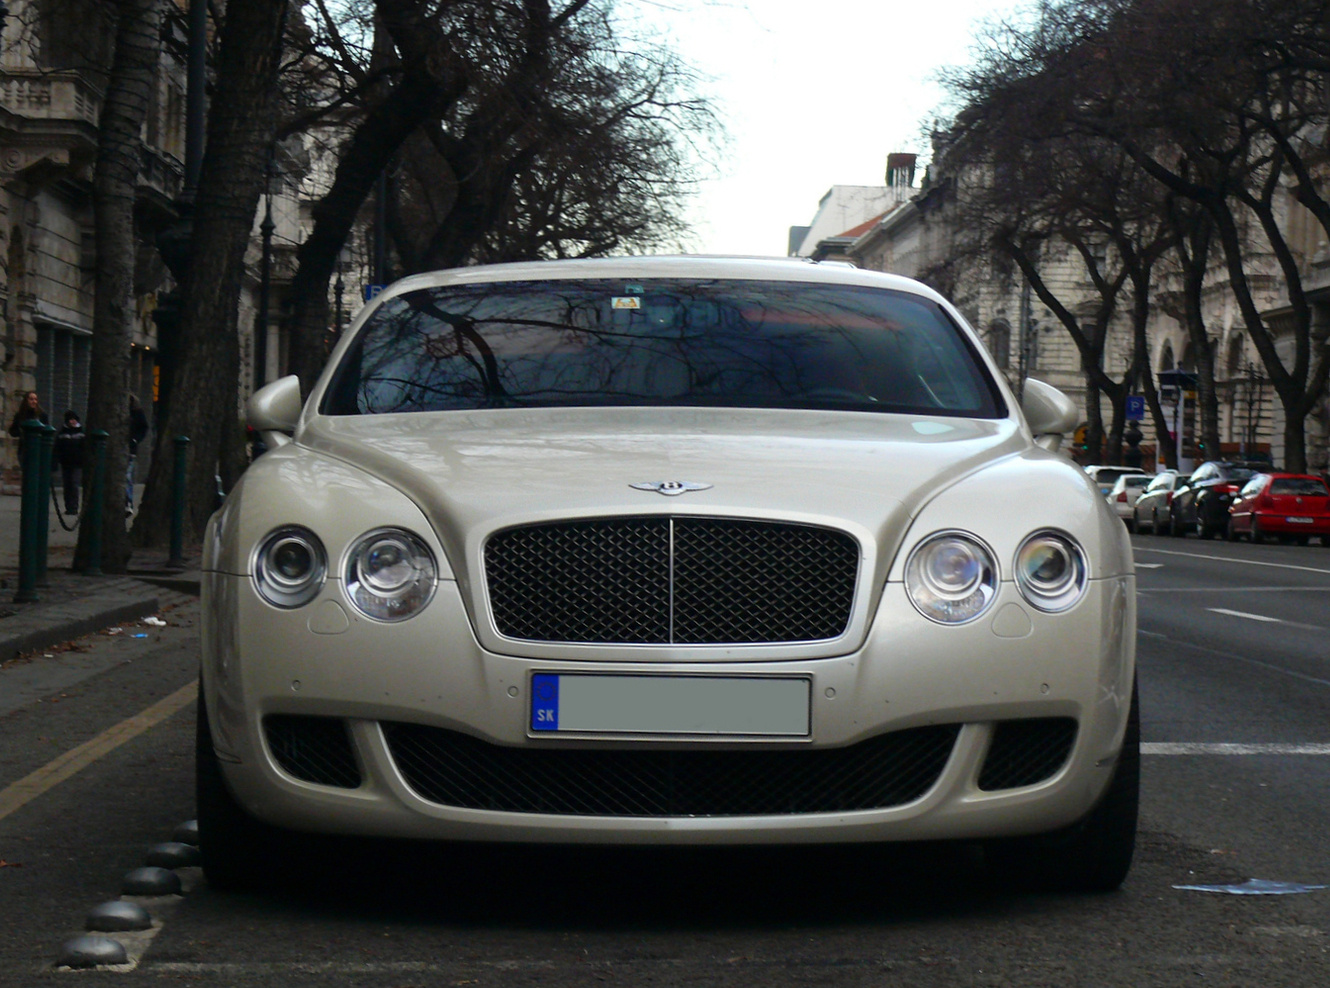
x=205, y=403
x=388, y=124
x=128, y=93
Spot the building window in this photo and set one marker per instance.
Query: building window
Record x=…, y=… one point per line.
x=999, y=343
x=63, y=359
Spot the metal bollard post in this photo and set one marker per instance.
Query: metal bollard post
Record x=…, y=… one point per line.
x=44, y=524
x=30, y=510
x=177, y=560
x=92, y=513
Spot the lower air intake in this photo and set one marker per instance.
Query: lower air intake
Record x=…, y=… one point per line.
x=313, y=749
x=1026, y=752
x=454, y=769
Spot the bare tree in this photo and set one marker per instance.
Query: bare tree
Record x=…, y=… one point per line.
x=519, y=129
x=1221, y=104
x=115, y=182
x=240, y=127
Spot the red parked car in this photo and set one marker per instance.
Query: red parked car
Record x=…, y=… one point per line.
x=1292, y=507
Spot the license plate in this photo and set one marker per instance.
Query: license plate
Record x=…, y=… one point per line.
x=748, y=706
x=1298, y=521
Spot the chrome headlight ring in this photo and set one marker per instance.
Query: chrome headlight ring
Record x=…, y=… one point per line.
x=390, y=574
x=290, y=566
x=951, y=577
x=1051, y=571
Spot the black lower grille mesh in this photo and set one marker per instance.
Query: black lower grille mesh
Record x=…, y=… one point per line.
x=313, y=749
x=1026, y=752
x=457, y=770
x=662, y=580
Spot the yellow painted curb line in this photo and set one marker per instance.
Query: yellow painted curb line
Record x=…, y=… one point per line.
x=54, y=772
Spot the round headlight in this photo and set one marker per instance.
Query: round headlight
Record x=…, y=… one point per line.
x=1050, y=571
x=390, y=574
x=951, y=578
x=290, y=566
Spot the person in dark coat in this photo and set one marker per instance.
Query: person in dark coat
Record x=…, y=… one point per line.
x=30, y=409
x=69, y=454
x=138, y=431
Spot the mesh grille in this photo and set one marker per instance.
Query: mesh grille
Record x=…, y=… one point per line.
x=457, y=770
x=1024, y=752
x=313, y=749
x=661, y=580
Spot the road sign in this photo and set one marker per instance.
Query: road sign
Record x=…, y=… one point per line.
x=1135, y=408
x=372, y=291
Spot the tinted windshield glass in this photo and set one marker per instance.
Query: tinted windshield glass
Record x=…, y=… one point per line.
x=1297, y=485
x=732, y=343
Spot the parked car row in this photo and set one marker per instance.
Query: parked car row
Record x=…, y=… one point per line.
x=1228, y=499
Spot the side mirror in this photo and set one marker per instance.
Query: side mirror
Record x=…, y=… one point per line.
x=1049, y=413
x=274, y=410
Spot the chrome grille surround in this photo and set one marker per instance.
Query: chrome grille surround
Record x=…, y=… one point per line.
x=671, y=580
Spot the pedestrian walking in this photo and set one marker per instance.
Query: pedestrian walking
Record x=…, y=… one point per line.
x=69, y=453
x=31, y=408
x=138, y=431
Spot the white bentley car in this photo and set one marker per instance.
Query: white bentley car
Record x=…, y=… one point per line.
x=668, y=551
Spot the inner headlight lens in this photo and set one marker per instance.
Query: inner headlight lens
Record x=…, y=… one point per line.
x=951, y=578
x=290, y=567
x=390, y=574
x=1050, y=571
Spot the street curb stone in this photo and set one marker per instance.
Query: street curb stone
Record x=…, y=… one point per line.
x=40, y=627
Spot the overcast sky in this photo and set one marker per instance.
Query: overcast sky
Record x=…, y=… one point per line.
x=814, y=93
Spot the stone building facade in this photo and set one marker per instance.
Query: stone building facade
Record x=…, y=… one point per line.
x=918, y=238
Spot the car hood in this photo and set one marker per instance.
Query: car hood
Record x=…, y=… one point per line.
x=475, y=472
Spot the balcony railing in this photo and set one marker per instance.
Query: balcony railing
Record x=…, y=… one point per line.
x=50, y=95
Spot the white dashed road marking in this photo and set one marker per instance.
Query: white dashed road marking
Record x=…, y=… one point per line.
x=1244, y=614
x=1214, y=748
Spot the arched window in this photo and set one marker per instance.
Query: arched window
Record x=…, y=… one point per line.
x=1188, y=362
x=1233, y=362
x=1166, y=356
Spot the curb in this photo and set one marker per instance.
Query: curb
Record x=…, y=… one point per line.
x=62, y=622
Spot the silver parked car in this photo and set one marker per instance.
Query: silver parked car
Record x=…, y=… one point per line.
x=684, y=551
x=1153, y=510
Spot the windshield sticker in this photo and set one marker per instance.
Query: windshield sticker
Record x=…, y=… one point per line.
x=634, y=290
x=626, y=302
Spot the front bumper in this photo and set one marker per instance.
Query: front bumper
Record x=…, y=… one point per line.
x=430, y=673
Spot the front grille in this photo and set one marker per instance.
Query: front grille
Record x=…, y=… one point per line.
x=458, y=770
x=313, y=749
x=696, y=581
x=1026, y=752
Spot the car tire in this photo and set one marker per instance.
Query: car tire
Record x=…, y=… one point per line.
x=1092, y=855
x=239, y=852
x=1229, y=534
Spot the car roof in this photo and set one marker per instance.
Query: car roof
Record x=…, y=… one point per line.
x=667, y=266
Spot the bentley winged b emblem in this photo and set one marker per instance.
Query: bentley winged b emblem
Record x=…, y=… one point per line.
x=670, y=488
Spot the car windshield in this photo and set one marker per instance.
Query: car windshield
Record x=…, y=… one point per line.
x=754, y=344
x=1135, y=481
x=1236, y=475
x=1298, y=485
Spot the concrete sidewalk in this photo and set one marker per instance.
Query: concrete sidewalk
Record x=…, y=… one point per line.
x=71, y=604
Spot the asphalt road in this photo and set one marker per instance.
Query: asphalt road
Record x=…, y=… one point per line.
x=1235, y=679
